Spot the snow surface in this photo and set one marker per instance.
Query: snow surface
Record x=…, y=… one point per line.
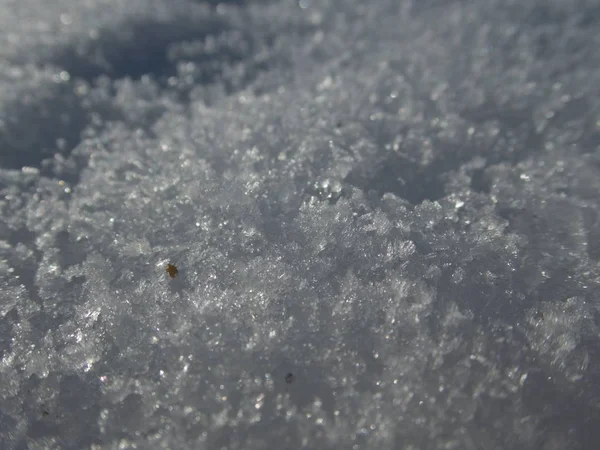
x=385, y=217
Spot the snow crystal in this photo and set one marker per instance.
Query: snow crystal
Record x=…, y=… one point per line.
x=297, y=224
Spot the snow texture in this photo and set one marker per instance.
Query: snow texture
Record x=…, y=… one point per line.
x=385, y=218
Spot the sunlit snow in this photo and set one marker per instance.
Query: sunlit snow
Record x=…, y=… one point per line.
x=314, y=224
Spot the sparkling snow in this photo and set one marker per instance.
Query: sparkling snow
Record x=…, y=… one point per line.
x=385, y=218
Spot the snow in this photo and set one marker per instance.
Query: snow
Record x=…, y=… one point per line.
x=385, y=218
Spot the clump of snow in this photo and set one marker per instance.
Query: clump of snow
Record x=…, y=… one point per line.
x=385, y=218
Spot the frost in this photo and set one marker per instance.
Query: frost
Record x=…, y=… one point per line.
x=319, y=225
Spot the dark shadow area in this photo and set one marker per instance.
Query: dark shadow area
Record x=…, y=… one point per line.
x=517, y=138
x=592, y=225
x=225, y=2
x=563, y=412
x=71, y=252
x=50, y=123
x=402, y=174
x=136, y=49
x=480, y=181
x=545, y=14
x=7, y=324
x=400, y=177
x=73, y=420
